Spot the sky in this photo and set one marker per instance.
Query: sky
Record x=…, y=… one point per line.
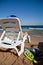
x=30, y=12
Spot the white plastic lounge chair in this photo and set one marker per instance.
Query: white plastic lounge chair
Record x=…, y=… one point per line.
x=12, y=34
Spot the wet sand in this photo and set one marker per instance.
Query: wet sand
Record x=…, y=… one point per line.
x=9, y=57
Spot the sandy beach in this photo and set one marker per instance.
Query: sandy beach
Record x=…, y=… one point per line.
x=9, y=57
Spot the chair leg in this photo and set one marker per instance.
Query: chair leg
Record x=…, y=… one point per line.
x=16, y=50
x=29, y=39
x=22, y=49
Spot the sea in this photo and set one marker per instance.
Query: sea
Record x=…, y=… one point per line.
x=33, y=29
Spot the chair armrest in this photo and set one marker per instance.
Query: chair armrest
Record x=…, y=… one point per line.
x=2, y=35
x=24, y=38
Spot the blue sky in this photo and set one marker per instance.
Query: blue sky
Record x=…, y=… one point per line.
x=29, y=11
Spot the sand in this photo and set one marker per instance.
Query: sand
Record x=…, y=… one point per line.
x=9, y=57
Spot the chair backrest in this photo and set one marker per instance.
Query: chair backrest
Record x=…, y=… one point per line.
x=12, y=27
